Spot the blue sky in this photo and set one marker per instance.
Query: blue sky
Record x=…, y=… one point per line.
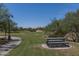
x=36, y=15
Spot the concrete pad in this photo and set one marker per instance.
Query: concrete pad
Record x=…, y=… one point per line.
x=6, y=48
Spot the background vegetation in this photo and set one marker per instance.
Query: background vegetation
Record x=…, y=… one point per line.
x=70, y=23
x=32, y=40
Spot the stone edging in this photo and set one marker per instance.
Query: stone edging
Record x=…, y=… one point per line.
x=46, y=47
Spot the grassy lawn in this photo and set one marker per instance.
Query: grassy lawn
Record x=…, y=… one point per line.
x=30, y=46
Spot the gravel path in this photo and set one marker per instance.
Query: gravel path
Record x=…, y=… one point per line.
x=5, y=49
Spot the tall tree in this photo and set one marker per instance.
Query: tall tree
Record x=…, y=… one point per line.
x=6, y=20
x=71, y=20
x=69, y=23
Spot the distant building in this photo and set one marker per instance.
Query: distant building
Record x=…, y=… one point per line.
x=39, y=30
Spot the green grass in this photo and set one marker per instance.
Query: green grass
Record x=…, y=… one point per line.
x=30, y=46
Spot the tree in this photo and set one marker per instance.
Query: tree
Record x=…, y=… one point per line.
x=71, y=20
x=55, y=27
x=70, y=23
x=6, y=20
x=52, y=25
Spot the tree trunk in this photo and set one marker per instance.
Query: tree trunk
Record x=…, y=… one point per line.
x=5, y=34
x=76, y=31
x=9, y=36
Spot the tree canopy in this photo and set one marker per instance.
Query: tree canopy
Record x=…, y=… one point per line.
x=5, y=17
x=6, y=22
x=69, y=23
